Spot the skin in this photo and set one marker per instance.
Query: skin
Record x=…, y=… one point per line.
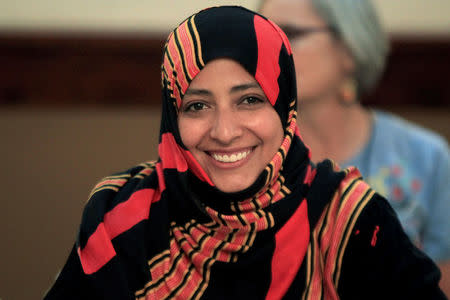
x=323, y=65
x=228, y=125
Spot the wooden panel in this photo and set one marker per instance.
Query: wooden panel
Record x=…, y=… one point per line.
x=81, y=69
x=58, y=69
x=417, y=73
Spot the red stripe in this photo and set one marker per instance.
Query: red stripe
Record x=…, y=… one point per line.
x=129, y=213
x=99, y=249
x=291, y=245
x=267, y=69
x=188, y=50
x=178, y=65
x=195, y=167
x=160, y=174
x=111, y=182
x=283, y=37
x=174, y=157
x=310, y=174
x=97, y=252
x=170, y=154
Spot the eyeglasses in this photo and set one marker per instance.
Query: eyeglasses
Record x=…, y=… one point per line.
x=294, y=33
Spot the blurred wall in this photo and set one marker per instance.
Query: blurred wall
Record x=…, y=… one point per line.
x=400, y=16
x=52, y=156
x=50, y=161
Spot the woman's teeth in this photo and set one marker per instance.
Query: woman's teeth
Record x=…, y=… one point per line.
x=230, y=158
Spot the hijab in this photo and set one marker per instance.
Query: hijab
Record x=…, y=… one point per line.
x=262, y=49
x=163, y=230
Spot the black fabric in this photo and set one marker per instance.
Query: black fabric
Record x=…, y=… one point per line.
x=322, y=189
x=388, y=265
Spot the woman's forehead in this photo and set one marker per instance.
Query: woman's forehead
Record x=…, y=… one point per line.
x=259, y=46
x=223, y=74
x=292, y=13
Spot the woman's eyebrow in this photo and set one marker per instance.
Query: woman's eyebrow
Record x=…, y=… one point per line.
x=236, y=88
x=198, y=92
x=244, y=86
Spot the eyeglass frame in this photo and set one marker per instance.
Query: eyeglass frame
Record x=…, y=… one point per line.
x=293, y=33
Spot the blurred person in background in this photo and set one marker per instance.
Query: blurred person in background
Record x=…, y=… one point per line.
x=340, y=51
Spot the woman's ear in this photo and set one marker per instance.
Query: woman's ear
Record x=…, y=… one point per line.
x=348, y=62
x=348, y=89
x=348, y=92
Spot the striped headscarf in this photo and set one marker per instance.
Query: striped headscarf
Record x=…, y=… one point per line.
x=161, y=230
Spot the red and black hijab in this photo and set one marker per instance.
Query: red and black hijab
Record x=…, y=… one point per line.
x=260, y=47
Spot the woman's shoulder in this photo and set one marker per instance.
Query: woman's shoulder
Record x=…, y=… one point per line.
x=350, y=198
x=336, y=194
x=116, y=205
x=378, y=252
x=365, y=244
x=125, y=180
x=400, y=130
x=114, y=191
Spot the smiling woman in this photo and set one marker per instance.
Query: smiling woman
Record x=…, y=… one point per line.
x=228, y=125
x=234, y=208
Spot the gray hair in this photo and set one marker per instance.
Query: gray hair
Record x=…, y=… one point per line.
x=357, y=25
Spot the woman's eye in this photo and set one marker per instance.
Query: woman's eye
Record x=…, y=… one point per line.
x=252, y=100
x=196, y=106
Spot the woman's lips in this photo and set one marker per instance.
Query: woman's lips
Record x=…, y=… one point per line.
x=230, y=156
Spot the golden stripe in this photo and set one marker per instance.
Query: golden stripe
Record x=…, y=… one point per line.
x=150, y=163
x=209, y=262
x=251, y=239
x=167, y=72
x=344, y=201
x=175, y=267
x=113, y=188
x=114, y=177
x=152, y=261
x=184, y=62
x=327, y=220
x=308, y=271
x=151, y=265
x=191, y=43
x=197, y=38
x=342, y=204
x=316, y=260
x=204, y=283
x=271, y=219
x=286, y=189
x=173, y=67
x=347, y=237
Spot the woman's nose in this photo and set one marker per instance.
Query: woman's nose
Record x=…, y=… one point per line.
x=226, y=126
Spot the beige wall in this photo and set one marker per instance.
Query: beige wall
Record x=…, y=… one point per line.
x=399, y=16
x=50, y=160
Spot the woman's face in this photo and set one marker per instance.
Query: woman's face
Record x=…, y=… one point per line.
x=321, y=62
x=228, y=125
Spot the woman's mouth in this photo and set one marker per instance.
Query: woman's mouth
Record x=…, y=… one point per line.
x=230, y=157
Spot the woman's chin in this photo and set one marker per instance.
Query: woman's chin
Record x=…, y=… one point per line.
x=234, y=185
